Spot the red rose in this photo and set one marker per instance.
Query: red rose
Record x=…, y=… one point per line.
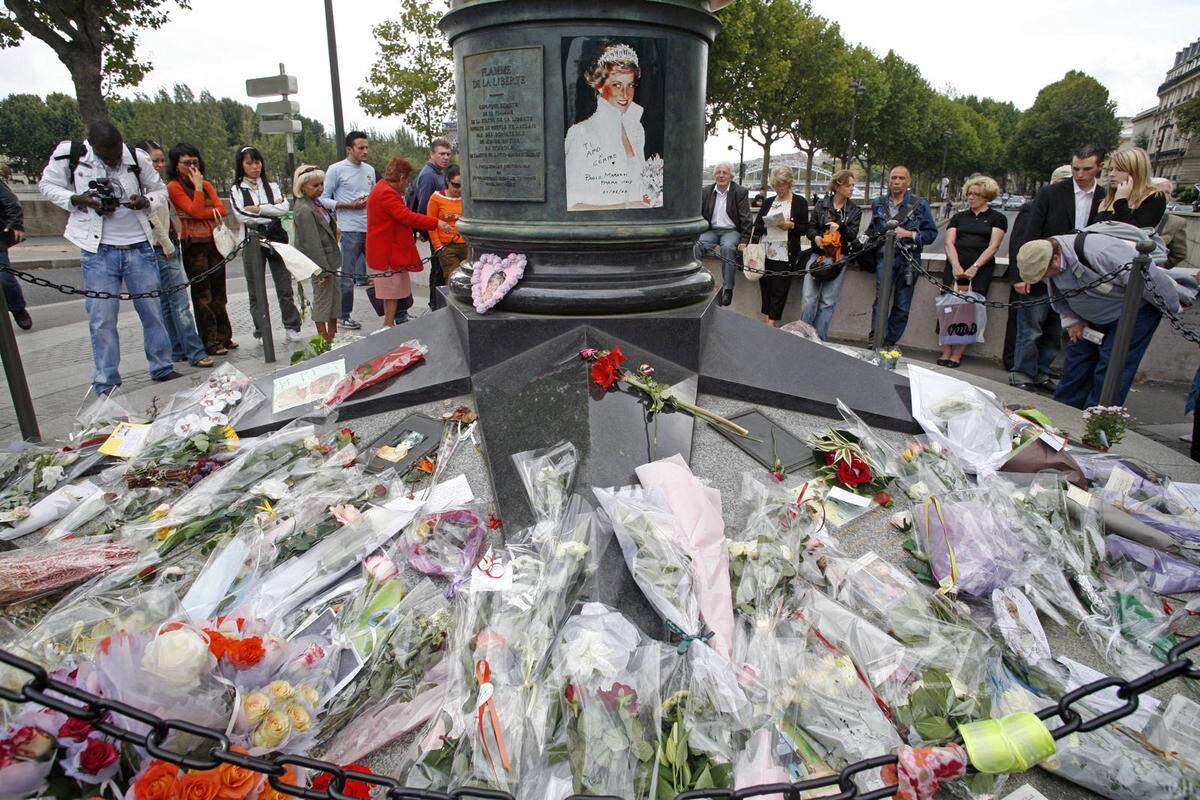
x=574, y=694
x=357, y=789
x=828, y=458
x=97, y=755
x=618, y=692
x=853, y=473
x=884, y=499
x=245, y=653
x=75, y=729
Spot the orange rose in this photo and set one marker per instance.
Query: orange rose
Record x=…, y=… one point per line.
x=156, y=781
x=268, y=792
x=246, y=653
x=217, y=643
x=197, y=786
x=236, y=783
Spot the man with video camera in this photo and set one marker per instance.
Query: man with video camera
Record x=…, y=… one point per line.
x=109, y=189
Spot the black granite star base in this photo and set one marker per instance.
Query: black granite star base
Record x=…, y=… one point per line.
x=532, y=390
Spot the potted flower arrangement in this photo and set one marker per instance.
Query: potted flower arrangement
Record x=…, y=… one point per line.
x=1105, y=426
x=889, y=358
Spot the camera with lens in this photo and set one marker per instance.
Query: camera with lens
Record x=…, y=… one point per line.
x=103, y=190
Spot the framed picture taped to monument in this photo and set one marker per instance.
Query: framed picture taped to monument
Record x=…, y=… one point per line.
x=614, y=103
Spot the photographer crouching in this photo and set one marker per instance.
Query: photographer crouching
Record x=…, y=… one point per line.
x=109, y=189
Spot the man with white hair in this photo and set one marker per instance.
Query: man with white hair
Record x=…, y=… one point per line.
x=1173, y=229
x=726, y=206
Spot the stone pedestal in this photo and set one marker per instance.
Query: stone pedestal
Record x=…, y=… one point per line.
x=518, y=68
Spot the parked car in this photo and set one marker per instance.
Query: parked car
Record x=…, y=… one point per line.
x=1013, y=202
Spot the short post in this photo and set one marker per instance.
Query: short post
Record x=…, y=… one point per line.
x=1124, y=331
x=14, y=372
x=883, y=303
x=263, y=320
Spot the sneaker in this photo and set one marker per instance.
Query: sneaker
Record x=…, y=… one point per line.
x=349, y=324
x=170, y=376
x=293, y=336
x=23, y=320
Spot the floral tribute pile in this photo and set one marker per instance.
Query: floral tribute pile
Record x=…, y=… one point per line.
x=284, y=596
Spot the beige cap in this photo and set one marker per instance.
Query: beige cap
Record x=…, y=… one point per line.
x=1060, y=173
x=1033, y=259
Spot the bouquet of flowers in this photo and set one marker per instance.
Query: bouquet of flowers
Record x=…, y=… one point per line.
x=548, y=476
x=969, y=542
x=652, y=181
x=1105, y=426
x=375, y=371
x=32, y=572
x=447, y=544
x=842, y=461
x=31, y=476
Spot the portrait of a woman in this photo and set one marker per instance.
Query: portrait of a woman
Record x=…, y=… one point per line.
x=606, y=161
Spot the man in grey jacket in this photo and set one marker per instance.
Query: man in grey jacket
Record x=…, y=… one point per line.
x=1091, y=318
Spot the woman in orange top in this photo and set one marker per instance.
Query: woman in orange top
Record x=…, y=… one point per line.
x=390, y=244
x=446, y=206
x=200, y=209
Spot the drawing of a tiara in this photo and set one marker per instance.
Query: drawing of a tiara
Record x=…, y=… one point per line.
x=618, y=54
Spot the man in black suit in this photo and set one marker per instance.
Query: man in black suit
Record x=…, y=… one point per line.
x=726, y=206
x=1060, y=207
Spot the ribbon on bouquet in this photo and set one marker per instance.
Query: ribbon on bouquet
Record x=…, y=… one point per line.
x=920, y=770
x=486, y=706
x=703, y=635
x=948, y=583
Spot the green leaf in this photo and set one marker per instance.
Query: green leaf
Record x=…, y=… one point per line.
x=201, y=442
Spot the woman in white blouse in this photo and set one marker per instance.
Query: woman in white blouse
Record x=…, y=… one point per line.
x=605, y=153
x=258, y=204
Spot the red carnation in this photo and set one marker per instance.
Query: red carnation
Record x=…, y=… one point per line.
x=574, y=694
x=853, y=473
x=604, y=373
x=884, y=499
x=97, y=755
x=356, y=789
x=75, y=729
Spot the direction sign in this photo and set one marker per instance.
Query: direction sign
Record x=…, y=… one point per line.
x=271, y=85
x=276, y=108
x=279, y=126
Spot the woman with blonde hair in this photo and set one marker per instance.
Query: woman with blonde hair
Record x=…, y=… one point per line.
x=1132, y=197
x=973, y=236
x=782, y=224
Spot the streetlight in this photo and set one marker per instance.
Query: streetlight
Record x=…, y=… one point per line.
x=856, y=85
x=741, y=159
x=334, y=80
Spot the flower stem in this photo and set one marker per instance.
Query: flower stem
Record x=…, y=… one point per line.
x=693, y=409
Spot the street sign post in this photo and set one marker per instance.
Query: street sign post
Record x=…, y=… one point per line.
x=288, y=126
x=277, y=108
x=271, y=85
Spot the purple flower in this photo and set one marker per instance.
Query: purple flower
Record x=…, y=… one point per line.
x=588, y=353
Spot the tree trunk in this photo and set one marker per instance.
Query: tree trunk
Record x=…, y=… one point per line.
x=87, y=77
x=867, y=180
x=766, y=164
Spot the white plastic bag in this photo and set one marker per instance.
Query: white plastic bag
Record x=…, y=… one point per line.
x=965, y=419
x=299, y=265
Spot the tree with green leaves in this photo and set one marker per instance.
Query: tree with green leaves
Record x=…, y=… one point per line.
x=1187, y=116
x=765, y=106
x=896, y=133
x=1068, y=113
x=413, y=77
x=1005, y=116
x=825, y=97
x=30, y=128
x=95, y=39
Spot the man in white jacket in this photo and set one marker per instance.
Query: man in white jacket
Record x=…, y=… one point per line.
x=110, y=191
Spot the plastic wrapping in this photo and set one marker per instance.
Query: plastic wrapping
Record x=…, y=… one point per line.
x=375, y=371
x=969, y=541
x=32, y=572
x=967, y=420
x=548, y=476
x=1164, y=574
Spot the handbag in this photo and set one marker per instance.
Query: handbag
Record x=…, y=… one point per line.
x=754, y=259
x=224, y=238
x=273, y=231
x=823, y=265
x=958, y=320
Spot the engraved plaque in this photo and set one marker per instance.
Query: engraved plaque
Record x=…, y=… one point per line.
x=506, y=135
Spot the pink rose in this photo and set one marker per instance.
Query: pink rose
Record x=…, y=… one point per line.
x=381, y=568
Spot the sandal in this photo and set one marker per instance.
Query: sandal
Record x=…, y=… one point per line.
x=203, y=363
x=217, y=351
x=232, y=345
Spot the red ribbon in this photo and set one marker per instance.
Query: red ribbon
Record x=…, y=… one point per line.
x=483, y=674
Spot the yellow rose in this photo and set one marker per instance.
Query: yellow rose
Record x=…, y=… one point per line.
x=299, y=718
x=309, y=694
x=272, y=730
x=254, y=707
x=281, y=690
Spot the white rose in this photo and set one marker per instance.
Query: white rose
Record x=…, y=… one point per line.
x=901, y=520
x=571, y=549
x=50, y=476
x=178, y=656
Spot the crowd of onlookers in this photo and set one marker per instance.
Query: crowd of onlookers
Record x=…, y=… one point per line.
x=146, y=218
x=1047, y=258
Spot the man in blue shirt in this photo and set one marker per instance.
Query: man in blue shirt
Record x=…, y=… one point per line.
x=917, y=229
x=347, y=184
x=432, y=178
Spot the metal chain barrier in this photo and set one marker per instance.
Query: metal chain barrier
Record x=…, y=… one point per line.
x=937, y=281
x=1172, y=319
x=713, y=251
x=102, y=713
x=95, y=295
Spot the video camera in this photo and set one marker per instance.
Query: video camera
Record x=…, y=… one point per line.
x=108, y=193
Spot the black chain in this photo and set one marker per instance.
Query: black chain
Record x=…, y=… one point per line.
x=151, y=732
x=1161, y=304
x=1078, y=290
x=713, y=251
x=95, y=295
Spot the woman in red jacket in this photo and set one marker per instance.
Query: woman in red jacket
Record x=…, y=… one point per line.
x=390, y=244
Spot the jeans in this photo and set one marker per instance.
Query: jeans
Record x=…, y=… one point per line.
x=728, y=241
x=354, y=265
x=819, y=300
x=177, y=311
x=1084, y=363
x=103, y=271
x=1038, y=339
x=902, y=294
x=12, y=287
x=257, y=258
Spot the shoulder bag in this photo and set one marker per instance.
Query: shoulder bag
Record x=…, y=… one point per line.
x=754, y=259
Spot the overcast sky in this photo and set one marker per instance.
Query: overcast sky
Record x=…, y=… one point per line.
x=1005, y=50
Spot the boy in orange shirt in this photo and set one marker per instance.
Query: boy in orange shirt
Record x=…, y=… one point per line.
x=446, y=206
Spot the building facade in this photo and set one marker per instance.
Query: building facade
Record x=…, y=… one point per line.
x=1174, y=154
